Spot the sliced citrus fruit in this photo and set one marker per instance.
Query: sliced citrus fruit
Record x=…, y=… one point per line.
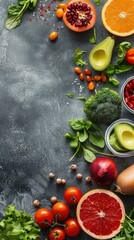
x=118, y=17
x=100, y=213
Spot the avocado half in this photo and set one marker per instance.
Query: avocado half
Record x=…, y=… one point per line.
x=114, y=143
x=124, y=134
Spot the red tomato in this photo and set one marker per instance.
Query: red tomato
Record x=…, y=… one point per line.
x=130, y=56
x=72, y=195
x=72, y=228
x=56, y=234
x=43, y=217
x=60, y=211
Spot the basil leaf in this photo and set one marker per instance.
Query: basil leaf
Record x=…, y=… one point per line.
x=78, y=58
x=97, y=140
x=83, y=136
x=92, y=38
x=88, y=155
x=114, y=81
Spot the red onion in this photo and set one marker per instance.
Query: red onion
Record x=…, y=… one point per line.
x=103, y=171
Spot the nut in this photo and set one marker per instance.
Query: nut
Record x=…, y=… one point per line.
x=88, y=179
x=58, y=180
x=63, y=181
x=51, y=175
x=79, y=176
x=36, y=203
x=53, y=199
x=73, y=167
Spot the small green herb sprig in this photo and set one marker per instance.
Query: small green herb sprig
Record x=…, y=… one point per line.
x=127, y=230
x=85, y=131
x=78, y=57
x=15, y=12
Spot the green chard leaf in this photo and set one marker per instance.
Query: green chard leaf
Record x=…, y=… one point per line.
x=78, y=57
x=123, y=68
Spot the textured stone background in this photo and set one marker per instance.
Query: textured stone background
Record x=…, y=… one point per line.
x=35, y=76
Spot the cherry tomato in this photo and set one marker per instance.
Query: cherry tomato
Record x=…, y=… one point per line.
x=91, y=86
x=87, y=71
x=59, y=13
x=61, y=5
x=56, y=234
x=81, y=76
x=72, y=195
x=60, y=211
x=89, y=78
x=72, y=228
x=53, y=36
x=43, y=217
x=130, y=56
x=77, y=70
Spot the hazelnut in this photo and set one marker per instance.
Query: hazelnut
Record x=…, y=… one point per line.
x=73, y=167
x=88, y=179
x=36, y=203
x=58, y=180
x=53, y=199
x=63, y=181
x=79, y=176
x=51, y=175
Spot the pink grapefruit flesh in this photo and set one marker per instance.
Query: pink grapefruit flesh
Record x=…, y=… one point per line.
x=100, y=213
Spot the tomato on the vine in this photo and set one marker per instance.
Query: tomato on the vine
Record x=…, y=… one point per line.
x=60, y=211
x=72, y=228
x=130, y=56
x=72, y=195
x=56, y=233
x=43, y=217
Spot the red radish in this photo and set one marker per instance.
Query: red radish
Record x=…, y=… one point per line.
x=103, y=171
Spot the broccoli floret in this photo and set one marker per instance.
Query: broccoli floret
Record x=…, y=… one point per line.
x=103, y=107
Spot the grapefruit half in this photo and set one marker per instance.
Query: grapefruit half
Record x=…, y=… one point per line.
x=100, y=213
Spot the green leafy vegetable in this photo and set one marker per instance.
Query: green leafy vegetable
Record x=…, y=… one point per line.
x=70, y=95
x=113, y=80
x=78, y=57
x=82, y=98
x=85, y=131
x=15, y=12
x=98, y=2
x=92, y=38
x=122, y=48
x=122, y=68
x=18, y=225
x=127, y=230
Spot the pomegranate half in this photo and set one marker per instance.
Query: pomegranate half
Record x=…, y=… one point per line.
x=80, y=15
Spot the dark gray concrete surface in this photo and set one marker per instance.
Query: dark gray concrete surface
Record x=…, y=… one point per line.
x=35, y=76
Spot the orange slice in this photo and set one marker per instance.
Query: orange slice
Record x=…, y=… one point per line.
x=100, y=213
x=118, y=17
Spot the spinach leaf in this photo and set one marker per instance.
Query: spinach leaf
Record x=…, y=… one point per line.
x=110, y=70
x=88, y=155
x=79, y=124
x=83, y=136
x=92, y=38
x=97, y=139
x=15, y=13
x=78, y=57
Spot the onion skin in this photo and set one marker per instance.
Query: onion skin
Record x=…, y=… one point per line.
x=125, y=181
x=103, y=171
